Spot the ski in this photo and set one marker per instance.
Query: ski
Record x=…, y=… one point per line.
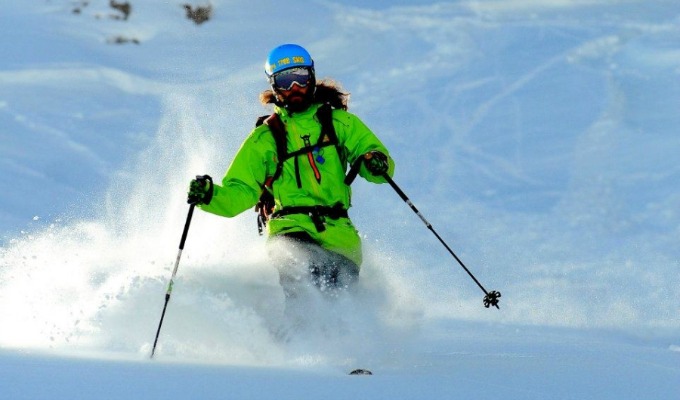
x=361, y=371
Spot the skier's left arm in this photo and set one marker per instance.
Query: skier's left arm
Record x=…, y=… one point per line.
x=361, y=143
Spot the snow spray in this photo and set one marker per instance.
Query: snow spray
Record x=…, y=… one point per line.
x=92, y=286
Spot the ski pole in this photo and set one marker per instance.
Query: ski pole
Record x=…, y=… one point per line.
x=174, y=272
x=490, y=298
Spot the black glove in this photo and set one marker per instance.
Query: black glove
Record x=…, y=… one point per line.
x=376, y=163
x=200, y=190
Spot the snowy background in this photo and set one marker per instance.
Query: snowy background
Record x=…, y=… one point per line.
x=539, y=137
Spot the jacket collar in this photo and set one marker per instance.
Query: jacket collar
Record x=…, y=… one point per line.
x=284, y=113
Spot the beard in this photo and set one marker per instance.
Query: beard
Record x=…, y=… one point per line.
x=297, y=101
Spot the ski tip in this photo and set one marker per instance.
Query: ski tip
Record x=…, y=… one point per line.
x=361, y=371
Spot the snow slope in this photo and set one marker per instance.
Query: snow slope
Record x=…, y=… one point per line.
x=538, y=137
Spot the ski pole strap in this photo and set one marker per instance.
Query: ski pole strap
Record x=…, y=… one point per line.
x=316, y=213
x=261, y=223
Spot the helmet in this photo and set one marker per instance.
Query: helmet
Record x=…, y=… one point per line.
x=287, y=56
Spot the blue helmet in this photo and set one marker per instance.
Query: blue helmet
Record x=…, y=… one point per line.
x=287, y=56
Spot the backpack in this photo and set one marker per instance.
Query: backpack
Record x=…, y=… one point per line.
x=328, y=137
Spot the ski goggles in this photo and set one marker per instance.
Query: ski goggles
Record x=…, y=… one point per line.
x=284, y=80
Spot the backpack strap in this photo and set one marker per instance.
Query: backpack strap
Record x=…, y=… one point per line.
x=266, y=203
x=278, y=130
x=325, y=116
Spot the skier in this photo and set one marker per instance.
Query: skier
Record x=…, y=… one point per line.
x=292, y=167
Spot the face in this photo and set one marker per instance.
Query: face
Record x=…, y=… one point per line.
x=294, y=88
x=295, y=98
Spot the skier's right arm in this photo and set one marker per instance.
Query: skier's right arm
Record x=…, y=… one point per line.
x=242, y=185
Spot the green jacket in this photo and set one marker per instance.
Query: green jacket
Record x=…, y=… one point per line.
x=256, y=160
